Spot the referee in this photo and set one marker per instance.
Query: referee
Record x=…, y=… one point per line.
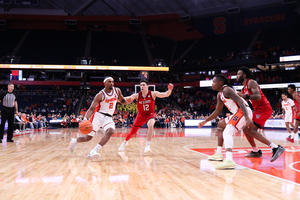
x=9, y=108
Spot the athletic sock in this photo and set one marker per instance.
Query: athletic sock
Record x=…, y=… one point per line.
x=255, y=149
x=219, y=149
x=148, y=143
x=97, y=147
x=229, y=155
x=292, y=135
x=272, y=145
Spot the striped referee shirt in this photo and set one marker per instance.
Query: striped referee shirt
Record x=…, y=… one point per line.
x=8, y=99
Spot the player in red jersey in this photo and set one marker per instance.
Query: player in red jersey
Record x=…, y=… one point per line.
x=262, y=112
x=146, y=106
x=296, y=98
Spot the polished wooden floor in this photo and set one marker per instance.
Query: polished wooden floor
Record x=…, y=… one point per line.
x=39, y=166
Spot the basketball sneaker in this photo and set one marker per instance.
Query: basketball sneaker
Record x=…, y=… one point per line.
x=72, y=145
x=123, y=145
x=290, y=139
x=147, y=148
x=227, y=164
x=216, y=156
x=94, y=155
x=277, y=152
x=254, y=154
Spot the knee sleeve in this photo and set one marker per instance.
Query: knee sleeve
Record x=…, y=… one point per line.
x=227, y=135
x=133, y=131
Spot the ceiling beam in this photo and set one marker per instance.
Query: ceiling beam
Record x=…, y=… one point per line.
x=83, y=7
x=132, y=14
x=55, y=4
x=182, y=6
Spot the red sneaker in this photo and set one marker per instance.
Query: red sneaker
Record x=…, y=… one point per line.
x=290, y=140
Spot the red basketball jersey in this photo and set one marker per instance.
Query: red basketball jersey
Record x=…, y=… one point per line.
x=264, y=101
x=145, y=105
x=296, y=102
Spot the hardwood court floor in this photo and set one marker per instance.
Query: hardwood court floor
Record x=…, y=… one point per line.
x=39, y=166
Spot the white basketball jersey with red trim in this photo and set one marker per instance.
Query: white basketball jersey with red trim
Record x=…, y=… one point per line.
x=287, y=105
x=230, y=104
x=108, y=104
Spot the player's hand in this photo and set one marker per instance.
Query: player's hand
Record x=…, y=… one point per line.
x=240, y=94
x=129, y=100
x=202, y=124
x=248, y=121
x=298, y=114
x=170, y=86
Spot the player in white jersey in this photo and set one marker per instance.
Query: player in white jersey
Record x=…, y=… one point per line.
x=241, y=116
x=288, y=109
x=100, y=112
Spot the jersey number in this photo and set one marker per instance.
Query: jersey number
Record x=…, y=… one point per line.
x=111, y=105
x=146, y=107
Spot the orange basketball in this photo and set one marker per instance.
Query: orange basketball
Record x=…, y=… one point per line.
x=85, y=127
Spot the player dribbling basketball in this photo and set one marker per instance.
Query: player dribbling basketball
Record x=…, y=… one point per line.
x=101, y=111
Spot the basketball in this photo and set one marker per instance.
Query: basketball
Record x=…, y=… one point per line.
x=85, y=127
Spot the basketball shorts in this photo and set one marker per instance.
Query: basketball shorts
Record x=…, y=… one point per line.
x=140, y=120
x=100, y=120
x=288, y=117
x=237, y=119
x=261, y=115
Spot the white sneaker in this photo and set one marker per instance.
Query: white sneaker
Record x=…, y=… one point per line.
x=123, y=145
x=147, y=148
x=72, y=145
x=94, y=155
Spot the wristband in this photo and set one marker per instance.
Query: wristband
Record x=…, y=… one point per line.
x=247, y=96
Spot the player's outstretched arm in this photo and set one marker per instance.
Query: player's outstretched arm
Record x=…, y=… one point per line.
x=98, y=98
x=216, y=113
x=131, y=98
x=164, y=94
x=121, y=99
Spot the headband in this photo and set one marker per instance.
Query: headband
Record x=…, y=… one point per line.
x=107, y=78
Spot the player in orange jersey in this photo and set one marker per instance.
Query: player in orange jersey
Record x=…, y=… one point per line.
x=100, y=112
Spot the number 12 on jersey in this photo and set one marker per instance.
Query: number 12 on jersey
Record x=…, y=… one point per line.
x=146, y=107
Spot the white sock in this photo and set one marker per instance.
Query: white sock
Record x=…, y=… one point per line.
x=255, y=149
x=74, y=140
x=148, y=143
x=229, y=155
x=292, y=135
x=272, y=145
x=219, y=149
x=97, y=147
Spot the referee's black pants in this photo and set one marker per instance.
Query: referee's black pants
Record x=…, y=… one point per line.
x=9, y=115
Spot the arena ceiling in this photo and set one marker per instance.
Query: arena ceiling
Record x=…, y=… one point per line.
x=135, y=8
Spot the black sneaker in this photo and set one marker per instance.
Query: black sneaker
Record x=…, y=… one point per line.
x=277, y=152
x=9, y=141
x=254, y=154
x=0, y=141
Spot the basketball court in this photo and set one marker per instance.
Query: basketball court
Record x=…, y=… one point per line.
x=39, y=166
